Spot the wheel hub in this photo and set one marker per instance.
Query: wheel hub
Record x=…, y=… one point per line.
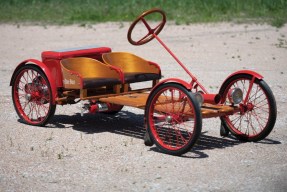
x=36, y=92
x=246, y=108
x=173, y=118
x=250, y=107
x=168, y=119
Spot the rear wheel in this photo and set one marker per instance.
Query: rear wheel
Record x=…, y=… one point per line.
x=257, y=114
x=32, y=98
x=173, y=118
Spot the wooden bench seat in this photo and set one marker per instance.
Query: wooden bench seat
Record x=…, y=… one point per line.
x=87, y=73
x=135, y=69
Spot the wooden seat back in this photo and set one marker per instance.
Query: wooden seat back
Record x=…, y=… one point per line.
x=130, y=63
x=76, y=70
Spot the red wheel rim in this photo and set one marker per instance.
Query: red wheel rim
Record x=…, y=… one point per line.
x=171, y=118
x=32, y=96
x=254, y=114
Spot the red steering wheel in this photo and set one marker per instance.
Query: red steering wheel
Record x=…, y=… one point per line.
x=151, y=31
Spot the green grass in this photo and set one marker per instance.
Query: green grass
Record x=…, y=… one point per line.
x=273, y=12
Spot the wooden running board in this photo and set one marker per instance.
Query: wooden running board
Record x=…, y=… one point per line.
x=138, y=100
x=209, y=110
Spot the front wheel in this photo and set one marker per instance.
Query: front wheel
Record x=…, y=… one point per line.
x=32, y=98
x=173, y=118
x=258, y=110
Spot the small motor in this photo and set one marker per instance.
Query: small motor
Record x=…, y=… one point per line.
x=94, y=107
x=99, y=107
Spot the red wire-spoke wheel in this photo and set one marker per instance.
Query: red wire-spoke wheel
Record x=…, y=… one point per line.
x=173, y=118
x=32, y=96
x=258, y=111
x=150, y=30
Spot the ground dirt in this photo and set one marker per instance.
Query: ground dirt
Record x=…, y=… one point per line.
x=106, y=153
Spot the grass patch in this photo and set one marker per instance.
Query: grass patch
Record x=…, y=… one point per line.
x=273, y=12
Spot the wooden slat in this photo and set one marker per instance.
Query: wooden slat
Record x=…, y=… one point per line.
x=208, y=110
x=139, y=100
x=134, y=100
x=101, y=96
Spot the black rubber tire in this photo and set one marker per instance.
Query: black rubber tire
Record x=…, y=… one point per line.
x=224, y=131
x=174, y=116
x=147, y=139
x=260, y=89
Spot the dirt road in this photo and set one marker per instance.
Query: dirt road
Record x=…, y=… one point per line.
x=106, y=153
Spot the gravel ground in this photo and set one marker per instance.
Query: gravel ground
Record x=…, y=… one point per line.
x=106, y=153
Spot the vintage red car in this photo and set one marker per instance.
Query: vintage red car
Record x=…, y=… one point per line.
x=174, y=108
